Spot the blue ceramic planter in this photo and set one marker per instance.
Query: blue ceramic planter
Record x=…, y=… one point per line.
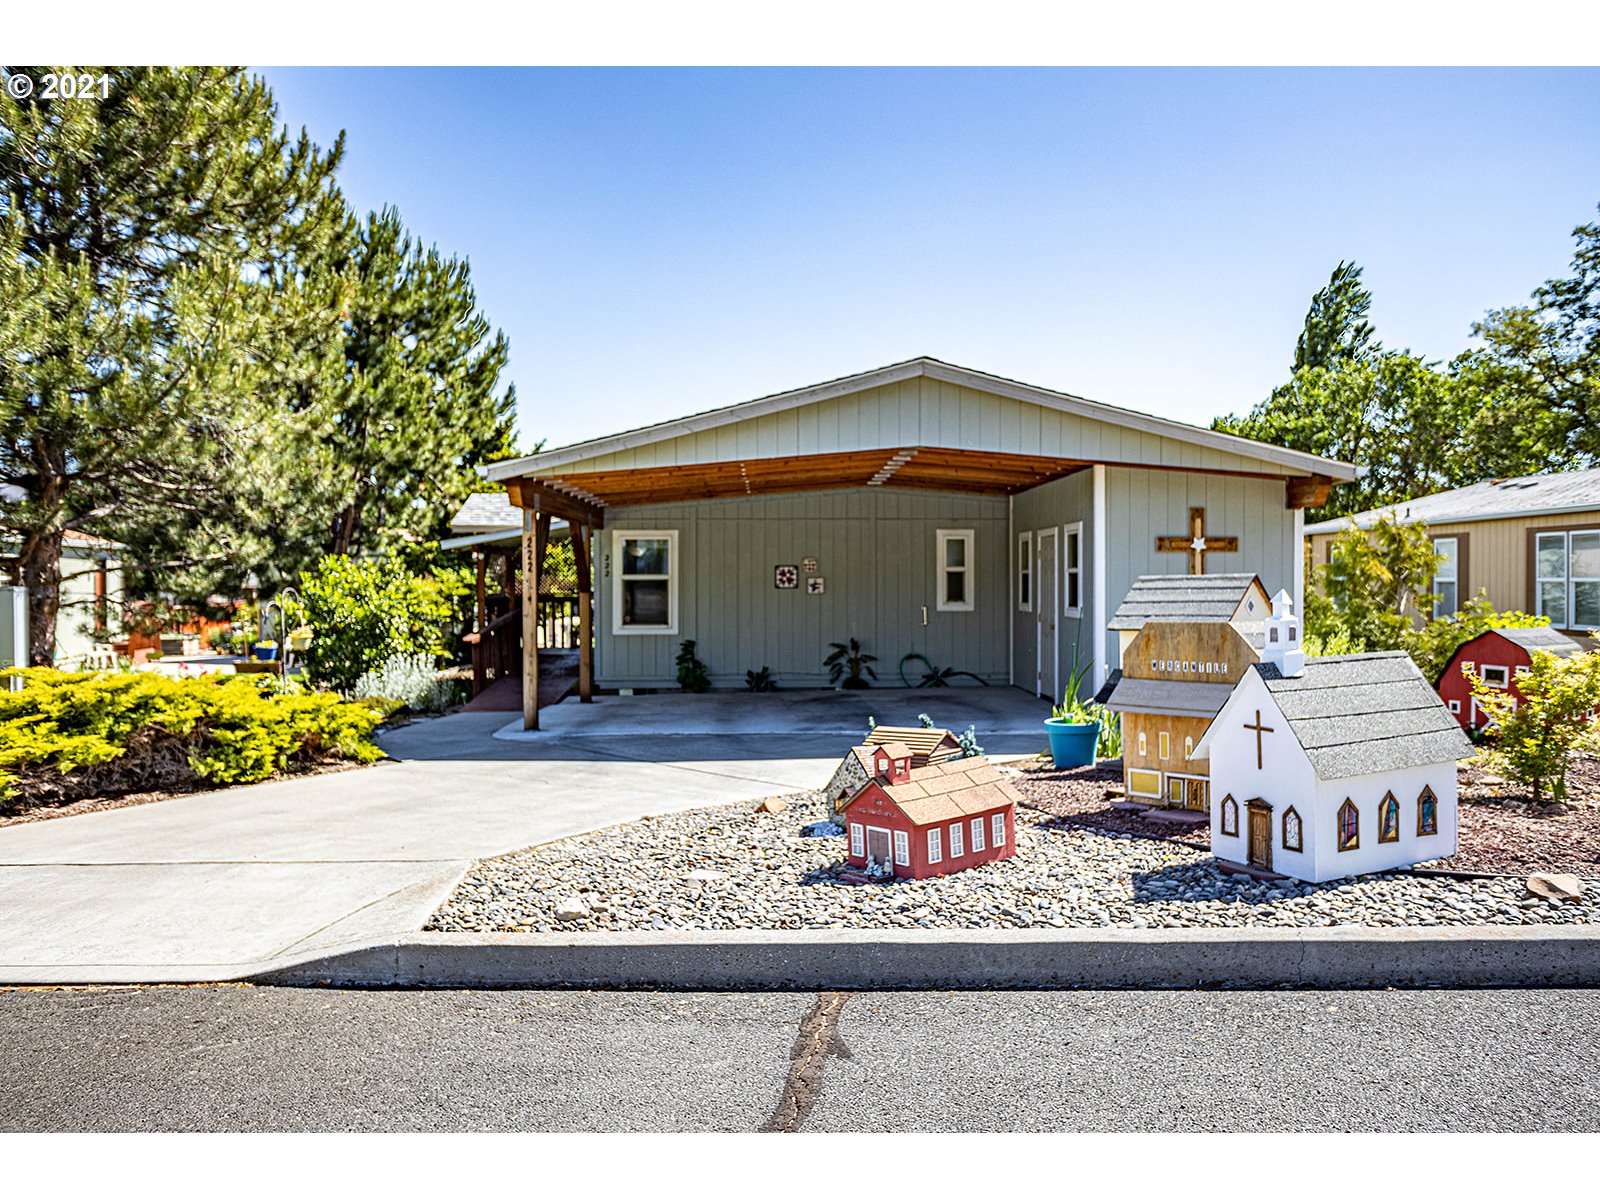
x=1072, y=744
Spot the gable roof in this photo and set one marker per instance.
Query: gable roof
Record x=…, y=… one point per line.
x=947, y=791
x=1541, y=637
x=1182, y=598
x=924, y=367
x=1493, y=499
x=1168, y=697
x=486, y=512
x=1360, y=714
x=924, y=744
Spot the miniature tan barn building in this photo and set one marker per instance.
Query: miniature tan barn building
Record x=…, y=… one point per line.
x=1186, y=640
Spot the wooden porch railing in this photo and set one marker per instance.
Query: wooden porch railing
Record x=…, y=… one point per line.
x=497, y=650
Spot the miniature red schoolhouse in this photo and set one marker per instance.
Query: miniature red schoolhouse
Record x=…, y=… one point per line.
x=1496, y=657
x=913, y=822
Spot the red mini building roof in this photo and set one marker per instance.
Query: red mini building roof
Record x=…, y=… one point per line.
x=946, y=791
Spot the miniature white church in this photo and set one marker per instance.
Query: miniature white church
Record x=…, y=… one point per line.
x=1327, y=767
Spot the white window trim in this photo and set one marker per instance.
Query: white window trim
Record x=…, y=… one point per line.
x=1568, y=581
x=935, y=846
x=1024, y=571
x=1455, y=706
x=999, y=826
x=1164, y=745
x=970, y=569
x=958, y=841
x=1453, y=578
x=1074, y=530
x=902, y=848
x=1573, y=579
x=674, y=570
x=976, y=838
x=858, y=840
x=1144, y=744
x=1504, y=673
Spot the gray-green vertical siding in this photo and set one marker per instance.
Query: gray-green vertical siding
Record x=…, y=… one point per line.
x=875, y=549
x=1055, y=505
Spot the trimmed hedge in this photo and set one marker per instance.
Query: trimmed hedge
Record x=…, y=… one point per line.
x=68, y=736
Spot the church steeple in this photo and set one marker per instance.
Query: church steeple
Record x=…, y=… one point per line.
x=1283, y=648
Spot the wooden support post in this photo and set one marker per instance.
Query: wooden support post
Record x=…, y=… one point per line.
x=535, y=537
x=480, y=671
x=580, y=559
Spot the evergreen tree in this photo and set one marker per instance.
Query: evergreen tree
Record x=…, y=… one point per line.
x=164, y=236
x=416, y=409
x=1337, y=331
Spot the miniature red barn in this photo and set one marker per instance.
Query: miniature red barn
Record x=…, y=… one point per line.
x=931, y=820
x=1496, y=657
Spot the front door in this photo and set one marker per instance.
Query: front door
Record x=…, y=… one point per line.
x=1260, y=837
x=1196, y=793
x=1044, y=614
x=877, y=846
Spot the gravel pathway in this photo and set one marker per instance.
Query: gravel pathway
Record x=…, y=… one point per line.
x=735, y=868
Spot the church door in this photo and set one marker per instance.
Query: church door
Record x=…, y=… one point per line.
x=1260, y=836
x=1045, y=579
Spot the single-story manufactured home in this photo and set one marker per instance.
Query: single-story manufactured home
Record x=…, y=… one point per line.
x=985, y=525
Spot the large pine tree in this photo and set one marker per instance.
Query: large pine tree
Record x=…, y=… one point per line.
x=160, y=239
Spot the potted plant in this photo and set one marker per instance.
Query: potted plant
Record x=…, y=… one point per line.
x=266, y=651
x=1073, y=726
x=300, y=639
x=848, y=667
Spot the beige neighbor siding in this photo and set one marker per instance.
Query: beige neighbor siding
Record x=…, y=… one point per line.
x=923, y=412
x=875, y=550
x=1496, y=556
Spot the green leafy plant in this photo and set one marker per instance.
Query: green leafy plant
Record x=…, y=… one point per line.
x=849, y=666
x=1071, y=708
x=934, y=676
x=1432, y=645
x=760, y=681
x=692, y=673
x=66, y=736
x=368, y=612
x=1531, y=742
x=968, y=740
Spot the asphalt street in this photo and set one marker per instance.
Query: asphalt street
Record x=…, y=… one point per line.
x=246, y=1058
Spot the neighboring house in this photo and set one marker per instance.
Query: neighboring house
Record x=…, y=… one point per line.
x=1532, y=544
x=1186, y=639
x=91, y=594
x=926, y=745
x=1329, y=767
x=921, y=508
x=915, y=822
x=1497, y=658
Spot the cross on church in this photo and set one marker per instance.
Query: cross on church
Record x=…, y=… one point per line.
x=1197, y=545
x=1259, y=730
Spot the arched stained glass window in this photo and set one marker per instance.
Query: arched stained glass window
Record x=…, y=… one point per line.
x=1349, y=826
x=1427, y=813
x=1389, y=819
x=1230, y=816
x=1291, y=830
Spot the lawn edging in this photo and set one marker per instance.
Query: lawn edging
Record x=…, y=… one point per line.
x=1345, y=957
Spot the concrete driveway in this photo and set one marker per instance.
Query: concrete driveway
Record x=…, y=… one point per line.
x=224, y=884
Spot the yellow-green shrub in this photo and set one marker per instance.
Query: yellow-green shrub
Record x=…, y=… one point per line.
x=66, y=735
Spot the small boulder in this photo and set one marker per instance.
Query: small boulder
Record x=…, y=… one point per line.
x=572, y=909
x=772, y=805
x=707, y=876
x=1546, y=885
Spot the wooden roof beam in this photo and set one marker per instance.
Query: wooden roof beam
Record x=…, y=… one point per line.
x=540, y=497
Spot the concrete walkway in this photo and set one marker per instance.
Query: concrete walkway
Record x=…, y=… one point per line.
x=224, y=884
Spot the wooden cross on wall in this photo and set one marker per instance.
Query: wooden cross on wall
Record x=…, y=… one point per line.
x=1259, y=730
x=1197, y=545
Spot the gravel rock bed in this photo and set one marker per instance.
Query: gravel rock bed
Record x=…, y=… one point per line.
x=732, y=867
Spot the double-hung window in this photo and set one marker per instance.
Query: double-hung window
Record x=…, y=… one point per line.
x=957, y=579
x=858, y=840
x=644, y=581
x=977, y=834
x=902, y=848
x=1072, y=570
x=999, y=823
x=1447, y=580
x=1567, y=578
x=935, y=846
x=957, y=848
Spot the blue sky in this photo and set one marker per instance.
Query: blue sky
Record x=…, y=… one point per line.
x=660, y=241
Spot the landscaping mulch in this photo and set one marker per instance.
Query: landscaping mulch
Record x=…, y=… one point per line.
x=1502, y=832
x=1084, y=797
x=93, y=804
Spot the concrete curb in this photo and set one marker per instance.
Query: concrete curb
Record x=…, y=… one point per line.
x=1349, y=957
